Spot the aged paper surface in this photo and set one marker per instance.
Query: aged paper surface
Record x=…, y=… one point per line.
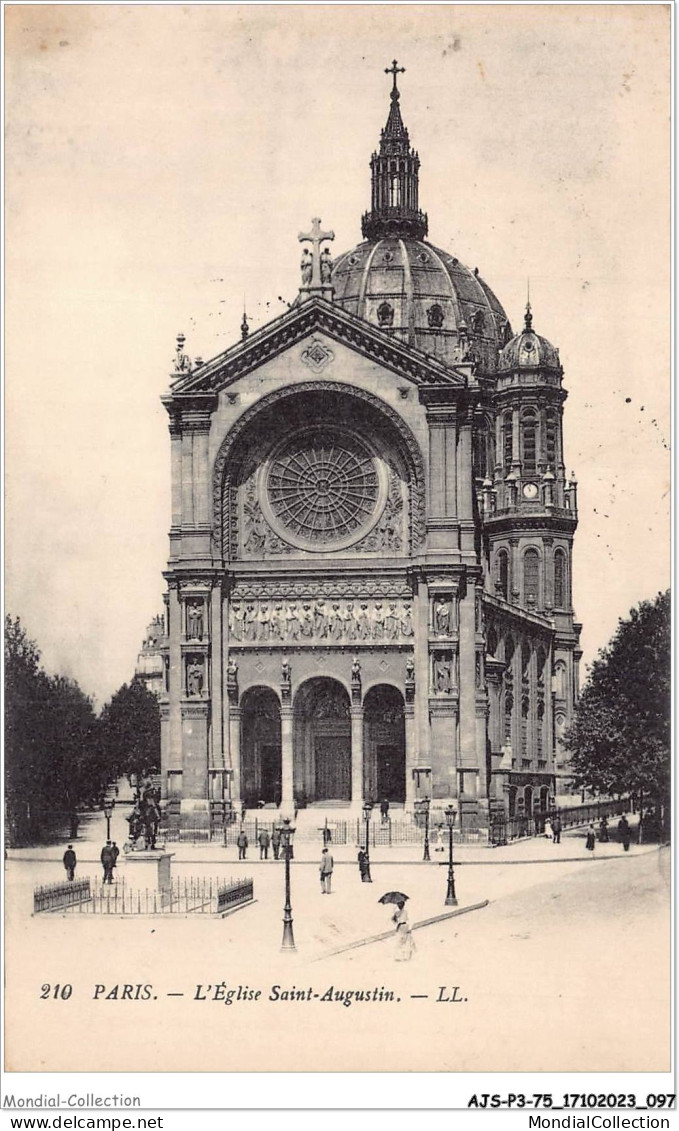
x=161, y=162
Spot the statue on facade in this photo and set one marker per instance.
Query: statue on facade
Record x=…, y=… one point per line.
x=194, y=618
x=306, y=621
x=232, y=669
x=443, y=616
x=410, y=670
x=307, y=267
x=407, y=621
x=392, y=624
x=443, y=682
x=194, y=679
x=356, y=670
x=326, y=266
x=285, y=671
x=236, y=621
x=263, y=621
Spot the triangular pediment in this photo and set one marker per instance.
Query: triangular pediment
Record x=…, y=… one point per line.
x=318, y=315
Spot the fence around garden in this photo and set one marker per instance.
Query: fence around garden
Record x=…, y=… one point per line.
x=503, y=829
x=193, y=895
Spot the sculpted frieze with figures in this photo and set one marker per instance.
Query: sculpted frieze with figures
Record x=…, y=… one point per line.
x=320, y=620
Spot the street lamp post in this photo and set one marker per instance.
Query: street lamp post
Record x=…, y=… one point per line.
x=108, y=813
x=423, y=806
x=367, y=811
x=451, y=898
x=287, y=833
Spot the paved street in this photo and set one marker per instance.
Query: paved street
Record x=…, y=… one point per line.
x=566, y=968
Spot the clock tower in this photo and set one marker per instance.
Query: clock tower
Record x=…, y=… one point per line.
x=530, y=516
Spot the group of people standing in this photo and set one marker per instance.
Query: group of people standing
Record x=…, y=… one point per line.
x=265, y=842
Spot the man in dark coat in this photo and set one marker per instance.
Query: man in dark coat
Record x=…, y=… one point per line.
x=556, y=829
x=384, y=810
x=327, y=865
x=107, y=862
x=276, y=841
x=116, y=853
x=264, y=842
x=624, y=832
x=70, y=862
x=242, y=843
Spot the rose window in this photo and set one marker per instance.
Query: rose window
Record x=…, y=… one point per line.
x=324, y=487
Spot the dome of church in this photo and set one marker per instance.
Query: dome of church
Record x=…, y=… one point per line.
x=528, y=350
x=403, y=284
x=424, y=296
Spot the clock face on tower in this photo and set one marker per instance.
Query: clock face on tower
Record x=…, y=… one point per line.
x=530, y=491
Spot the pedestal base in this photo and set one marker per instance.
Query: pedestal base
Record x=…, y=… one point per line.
x=150, y=870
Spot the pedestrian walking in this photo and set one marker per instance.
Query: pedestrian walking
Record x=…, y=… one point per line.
x=276, y=841
x=556, y=829
x=242, y=843
x=107, y=862
x=603, y=831
x=384, y=810
x=624, y=832
x=70, y=862
x=74, y=822
x=327, y=865
x=405, y=944
x=590, y=841
x=264, y=842
x=363, y=866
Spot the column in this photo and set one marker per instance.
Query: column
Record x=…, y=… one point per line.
x=234, y=753
x=515, y=574
x=422, y=679
x=437, y=468
x=200, y=473
x=411, y=753
x=357, y=755
x=176, y=473
x=287, y=776
x=216, y=680
x=187, y=478
x=176, y=680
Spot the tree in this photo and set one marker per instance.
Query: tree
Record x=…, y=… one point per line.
x=620, y=737
x=130, y=731
x=51, y=755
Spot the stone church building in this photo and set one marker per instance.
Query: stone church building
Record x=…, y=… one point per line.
x=369, y=580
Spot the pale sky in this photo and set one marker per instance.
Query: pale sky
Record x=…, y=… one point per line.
x=161, y=161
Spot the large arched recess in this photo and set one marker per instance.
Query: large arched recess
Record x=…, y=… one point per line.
x=384, y=750
x=265, y=422
x=322, y=741
x=260, y=746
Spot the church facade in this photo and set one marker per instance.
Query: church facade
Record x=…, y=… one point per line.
x=369, y=580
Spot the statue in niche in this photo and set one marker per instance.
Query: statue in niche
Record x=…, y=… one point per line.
x=378, y=622
x=326, y=266
x=194, y=677
x=320, y=620
x=254, y=526
x=292, y=622
x=443, y=676
x=406, y=621
x=350, y=626
x=285, y=671
x=236, y=621
x=356, y=670
x=306, y=621
x=443, y=616
x=479, y=672
x=263, y=626
x=363, y=623
x=410, y=670
x=276, y=625
x=307, y=267
x=392, y=623
x=250, y=623
x=194, y=620
x=232, y=670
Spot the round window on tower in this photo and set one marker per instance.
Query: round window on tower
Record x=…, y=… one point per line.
x=323, y=489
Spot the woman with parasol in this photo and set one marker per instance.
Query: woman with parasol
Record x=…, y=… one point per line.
x=405, y=944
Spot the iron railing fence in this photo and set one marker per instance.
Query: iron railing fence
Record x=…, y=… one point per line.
x=503, y=829
x=53, y=897
x=193, y=895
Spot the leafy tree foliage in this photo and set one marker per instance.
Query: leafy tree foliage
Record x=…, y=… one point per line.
x=620, y=738
x=130, y=730
x=52, y=762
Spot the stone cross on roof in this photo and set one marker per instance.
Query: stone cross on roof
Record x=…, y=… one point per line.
x=316, y=237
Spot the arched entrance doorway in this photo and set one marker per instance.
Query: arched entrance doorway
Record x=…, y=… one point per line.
x=260, y=758
x=384, y=745
x=322, y=742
